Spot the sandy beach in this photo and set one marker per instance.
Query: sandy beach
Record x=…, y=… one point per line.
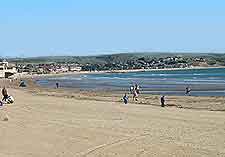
x=50, y=123
x=112, y=78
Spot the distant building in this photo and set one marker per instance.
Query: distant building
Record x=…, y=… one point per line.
x=6, y=70
x=61, y=69
x=75, y=68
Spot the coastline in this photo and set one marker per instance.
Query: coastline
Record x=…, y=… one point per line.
x=165, y=69
x=23, y=76
x=212, y=103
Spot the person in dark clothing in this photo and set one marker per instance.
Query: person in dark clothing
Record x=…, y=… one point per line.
x=187, y=91
x=57, y=85
x=137, y=88
x=1, y=103
x=22, y=84
x=162, y=99
x=125, y=99
x=5, y=94
x=7, y=99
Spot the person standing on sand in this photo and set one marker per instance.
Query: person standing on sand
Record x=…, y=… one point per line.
x=131, y=89
x=57, y=85
x=162, y=100
x=5, y=94
x=137, y=88
x=135, y=95
x=188, y=91
x=125, y=99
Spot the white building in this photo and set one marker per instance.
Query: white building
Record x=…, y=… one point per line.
x=75, y=68
x=6, y=70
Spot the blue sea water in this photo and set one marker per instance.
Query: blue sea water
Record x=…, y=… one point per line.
x=203, y=82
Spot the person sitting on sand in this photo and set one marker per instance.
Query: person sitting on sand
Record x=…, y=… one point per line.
x=6, y=98
x=125, y=99
x=162, y=100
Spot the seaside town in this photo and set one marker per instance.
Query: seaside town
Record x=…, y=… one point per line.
x=8, y=69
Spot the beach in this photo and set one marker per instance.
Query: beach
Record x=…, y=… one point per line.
x=50, y=125
x=112, y=78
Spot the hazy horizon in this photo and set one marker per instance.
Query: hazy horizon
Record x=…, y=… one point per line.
x=116, y=53
x=88, y=28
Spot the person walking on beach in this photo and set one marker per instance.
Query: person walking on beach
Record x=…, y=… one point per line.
x=131, y=89
x=135, y=95
x=188, y=91
x=125, y=99
x=137, y=88
x=162, y=100
x=57, y=85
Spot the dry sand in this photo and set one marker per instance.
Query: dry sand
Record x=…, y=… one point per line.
x=50, y=126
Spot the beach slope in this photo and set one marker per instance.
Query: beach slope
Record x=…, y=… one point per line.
x=40, y=125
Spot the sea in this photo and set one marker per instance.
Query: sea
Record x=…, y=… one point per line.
x=202, y=82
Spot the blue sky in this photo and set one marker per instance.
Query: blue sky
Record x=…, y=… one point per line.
x=89, y=27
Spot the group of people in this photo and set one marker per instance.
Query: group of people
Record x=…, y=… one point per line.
x=162, y=98
x=135, y=90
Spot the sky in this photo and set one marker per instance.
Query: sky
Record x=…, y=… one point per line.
x=92, y=27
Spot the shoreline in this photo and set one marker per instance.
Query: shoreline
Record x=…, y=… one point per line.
x=152, y=88
x=207, y=103
x=211, y=103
